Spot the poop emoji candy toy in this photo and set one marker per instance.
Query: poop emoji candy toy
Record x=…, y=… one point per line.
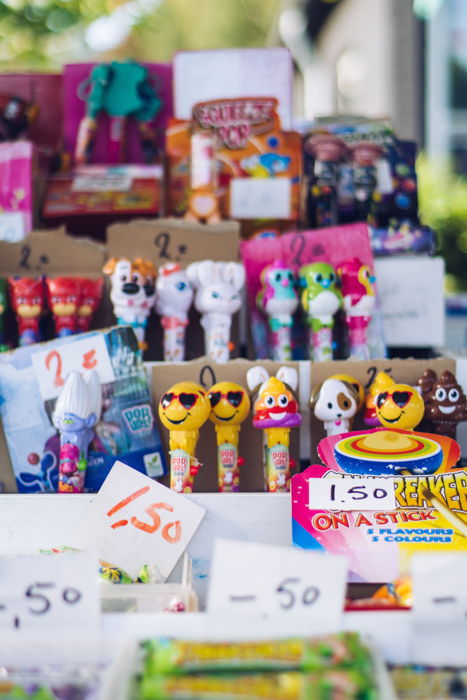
x=183, y=409
x=230, y=405
x=399, y=406
x=445, y=402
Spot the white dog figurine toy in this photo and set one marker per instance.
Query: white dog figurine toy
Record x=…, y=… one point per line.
x=335, y=402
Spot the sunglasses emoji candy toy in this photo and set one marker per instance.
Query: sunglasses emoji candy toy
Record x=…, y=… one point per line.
x=230, y=405
x=183, y=410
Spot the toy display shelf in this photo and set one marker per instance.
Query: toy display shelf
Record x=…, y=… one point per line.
x=31, y=522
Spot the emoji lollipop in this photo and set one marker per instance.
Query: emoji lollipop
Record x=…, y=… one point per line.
x=230, y=406
x=183, y=409
x=445, y=402
x=381, y=382
x=399, y=406
x=321, y=300
x=275, y=411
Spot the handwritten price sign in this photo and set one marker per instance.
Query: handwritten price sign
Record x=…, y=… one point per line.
x=348, y=493
x=249, y=578
x=53, y=365
x=48, y=592
x=134, y=521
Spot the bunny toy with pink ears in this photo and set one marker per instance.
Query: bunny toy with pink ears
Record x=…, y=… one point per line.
x=218, y=296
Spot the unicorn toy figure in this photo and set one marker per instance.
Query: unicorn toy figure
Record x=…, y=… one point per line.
x=278, y=300
x=174, y=296
x=77, y=410
x=217, y=298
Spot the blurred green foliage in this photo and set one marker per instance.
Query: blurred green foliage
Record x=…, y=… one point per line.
x=443, y=206
x=45, y=34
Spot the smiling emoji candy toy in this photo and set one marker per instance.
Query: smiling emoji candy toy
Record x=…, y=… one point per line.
x=275, y=411
x=230, y=405
x=399, y=406
x=183, y=409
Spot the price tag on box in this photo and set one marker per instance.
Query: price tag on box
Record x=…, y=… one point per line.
x=46, y=593
x=134, y=521
x=348, y=493
x=52, y=367
x=439, y=609
x=249, y=578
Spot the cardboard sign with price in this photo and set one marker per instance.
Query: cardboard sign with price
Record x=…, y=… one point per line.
x=48, y=592
x=134, y=521
x=256, y=579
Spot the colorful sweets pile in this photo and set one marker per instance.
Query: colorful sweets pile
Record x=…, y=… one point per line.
x=334, y=666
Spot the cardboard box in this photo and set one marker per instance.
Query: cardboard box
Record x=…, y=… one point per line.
x=31, y=379
x=55, y=254
x=207, y=373
x=175, y=240
x=303, y=441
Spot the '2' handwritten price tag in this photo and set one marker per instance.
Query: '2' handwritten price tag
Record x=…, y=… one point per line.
x=44, y=592
x=249, y=578
x=348, y=493
x=52, y=366
x=134, y=521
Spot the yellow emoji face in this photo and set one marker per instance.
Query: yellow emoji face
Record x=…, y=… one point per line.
x=230, y=403
x=184, y=406
x=400, y=406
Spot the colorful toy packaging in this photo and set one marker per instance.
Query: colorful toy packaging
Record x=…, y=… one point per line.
x=226, y=143
x=36, y=396
x=430, y=495
x=363, y=169
x=332, y=269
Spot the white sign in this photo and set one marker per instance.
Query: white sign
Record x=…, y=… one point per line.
x=53, y=365
x=439, y=608
x=230, y=73
x=250, y=578
x=12, y=226
x=260, y=197
x=411, y=298
x=104, y=182
x=348, y=493
x=134, y=521
x=43, y=592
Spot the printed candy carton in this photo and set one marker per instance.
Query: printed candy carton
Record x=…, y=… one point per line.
x=31, y=379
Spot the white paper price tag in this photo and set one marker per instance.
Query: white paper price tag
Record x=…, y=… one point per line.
x=48, y=592
x=348, y=493
x=12, y=227
x=261, y=197
x=134, y=521
x=438, y=594
x=249, y=578
x=52, y=366
x=439, y=608
x=104, y=182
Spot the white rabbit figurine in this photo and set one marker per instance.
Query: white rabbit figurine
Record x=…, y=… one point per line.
x=174, y=295
x=218, y=296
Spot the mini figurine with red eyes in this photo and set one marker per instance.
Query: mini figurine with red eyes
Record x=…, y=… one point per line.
x=445, y=402
x=64, y=297
x=90, y=298
x=27, y=300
